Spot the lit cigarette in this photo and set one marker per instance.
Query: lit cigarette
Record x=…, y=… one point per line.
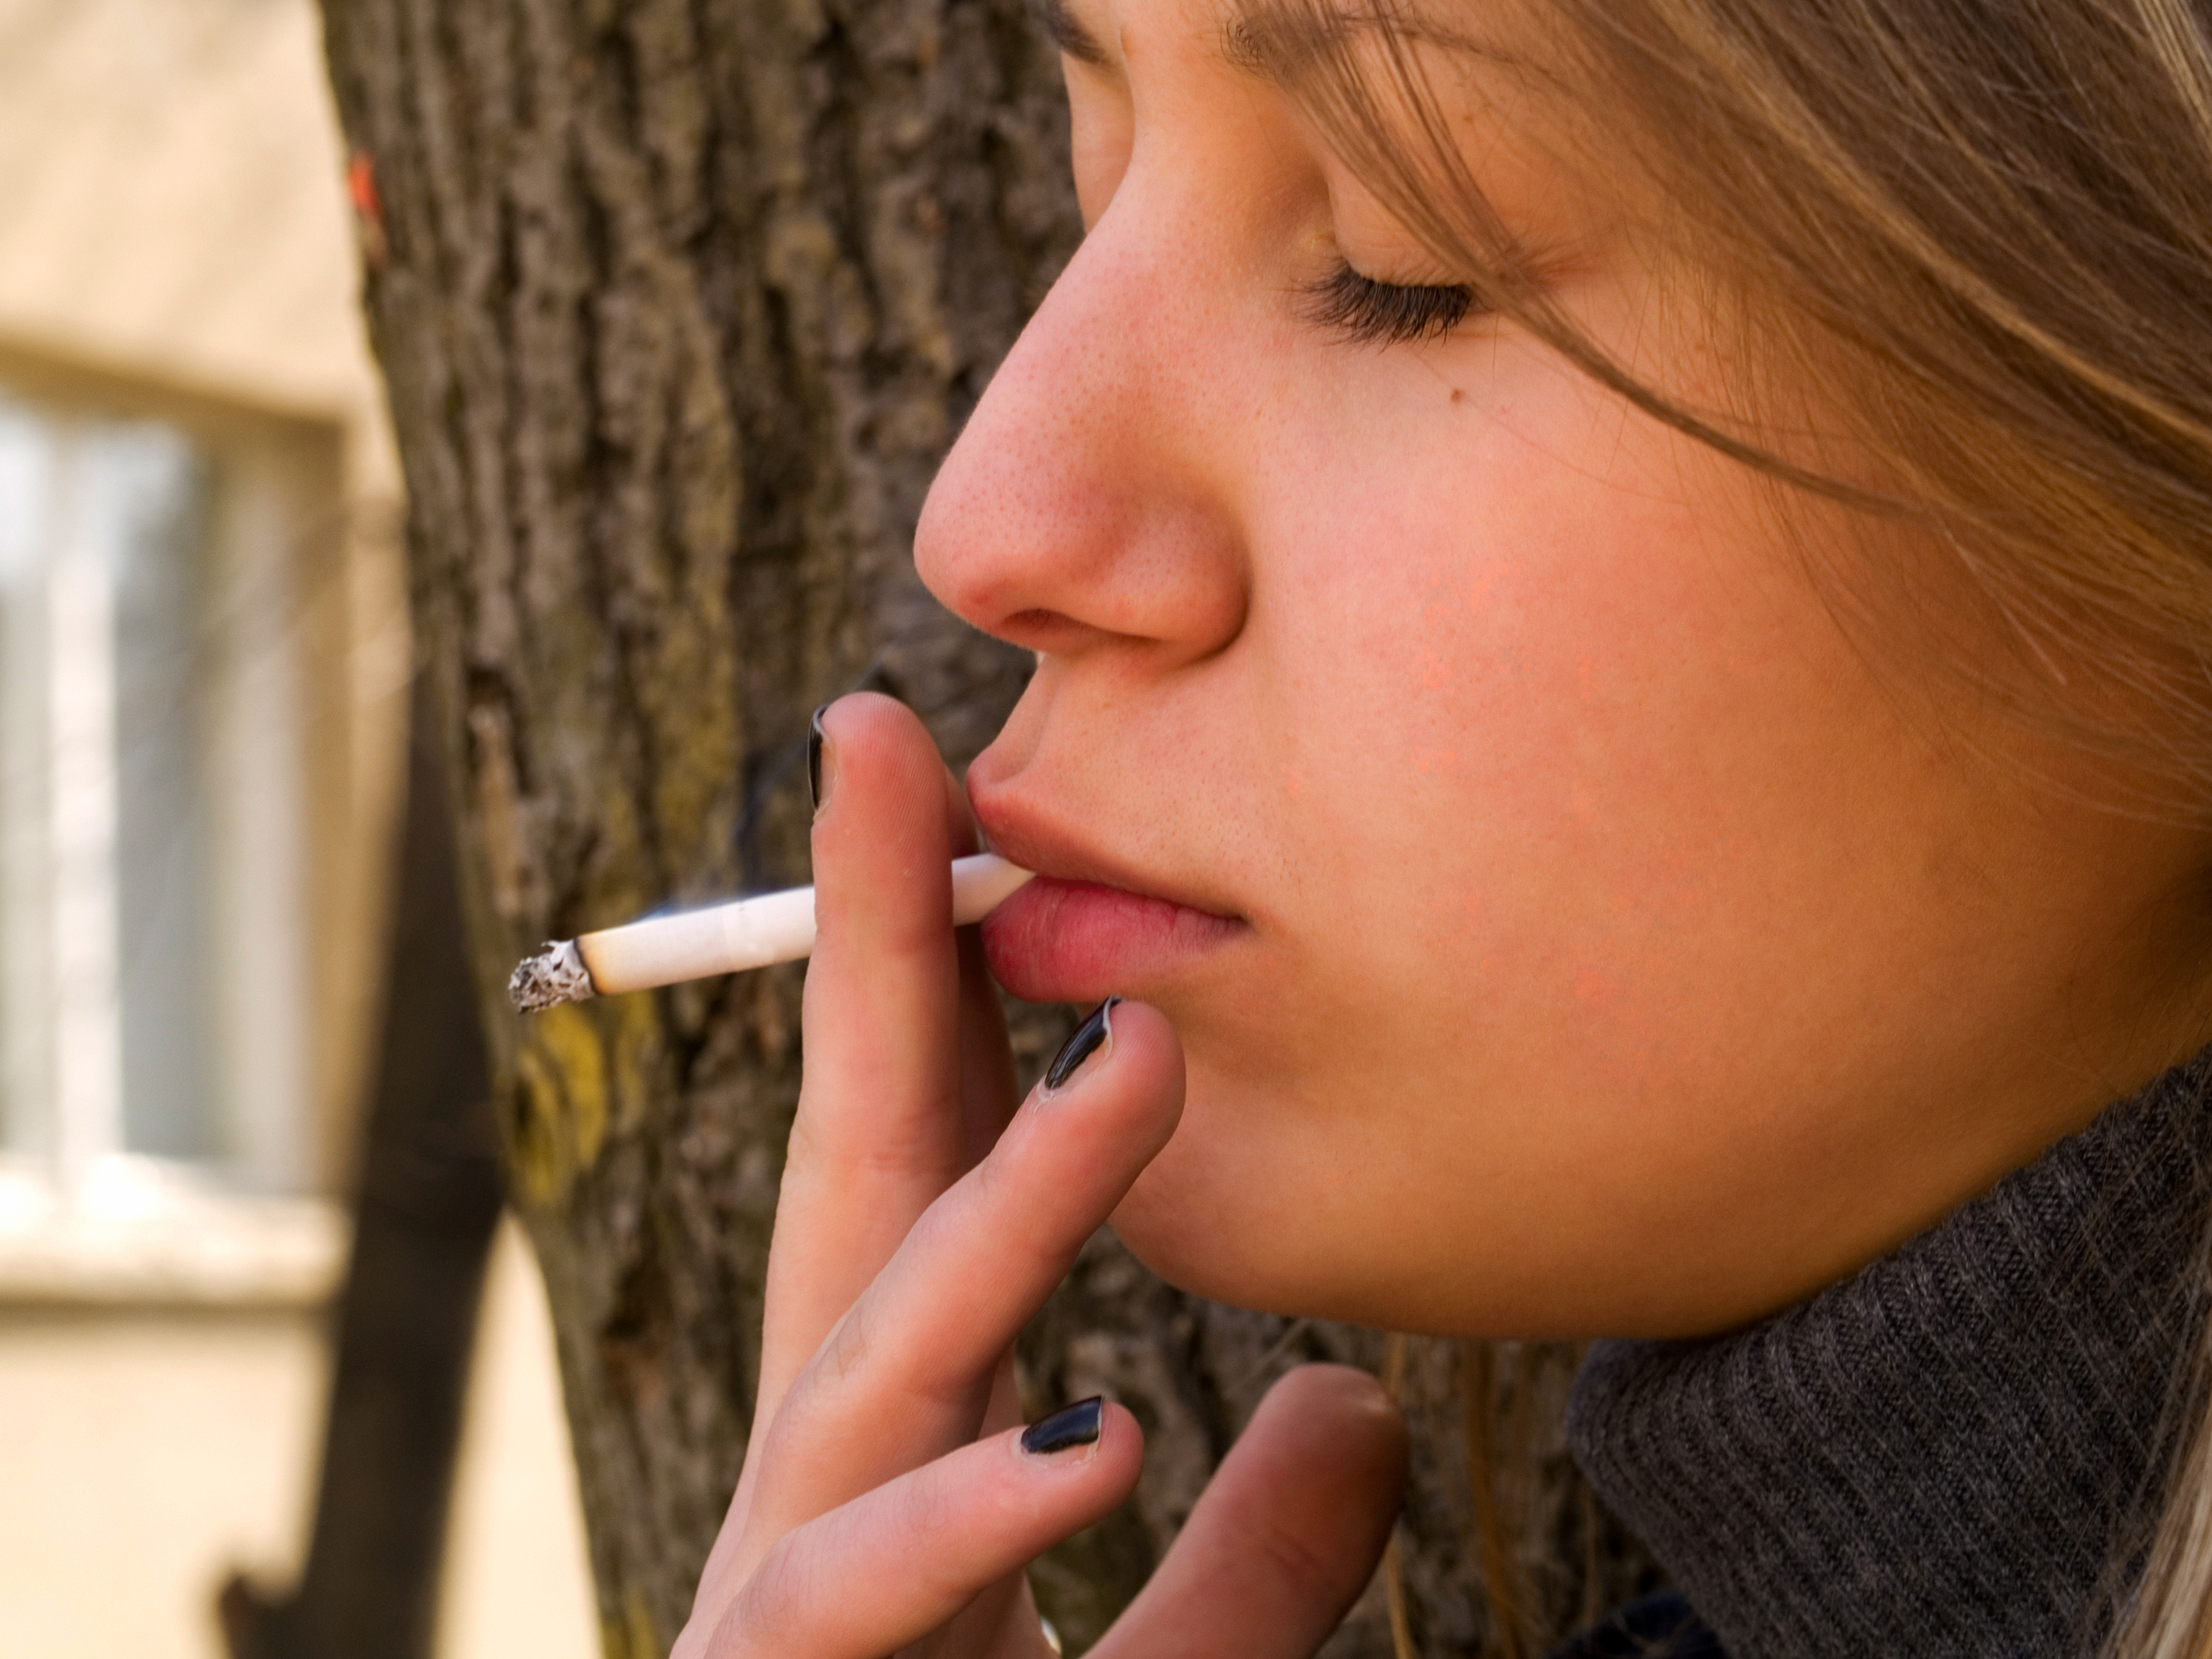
x=727, y=939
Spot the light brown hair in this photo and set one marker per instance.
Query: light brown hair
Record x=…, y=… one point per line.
x=1987, y=225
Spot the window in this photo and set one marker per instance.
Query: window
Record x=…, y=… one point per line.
x=150, y=952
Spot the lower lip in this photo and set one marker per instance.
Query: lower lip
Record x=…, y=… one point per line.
x=1072, y=941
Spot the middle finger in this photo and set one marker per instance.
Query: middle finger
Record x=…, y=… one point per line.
x=906, y=1374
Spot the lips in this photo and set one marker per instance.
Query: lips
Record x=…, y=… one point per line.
x=1080, y=932
x=1077, y=941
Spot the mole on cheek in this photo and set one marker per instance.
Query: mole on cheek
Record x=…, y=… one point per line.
x=1457, y=394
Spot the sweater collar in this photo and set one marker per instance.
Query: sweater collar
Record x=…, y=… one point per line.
x=1946, y=1452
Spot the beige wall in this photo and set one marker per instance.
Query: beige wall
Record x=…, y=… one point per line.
x=141, y=1452
x=146, y=1453
x=173, y=201
x=174, y=242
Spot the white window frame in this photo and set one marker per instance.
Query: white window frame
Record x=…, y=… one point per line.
x=82, y=1216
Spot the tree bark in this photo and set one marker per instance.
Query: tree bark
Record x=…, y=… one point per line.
x=680, y=302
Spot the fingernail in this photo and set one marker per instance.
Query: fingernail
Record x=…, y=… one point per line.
x=1080, y=1424
x=1096, y=1032
x=814, y=758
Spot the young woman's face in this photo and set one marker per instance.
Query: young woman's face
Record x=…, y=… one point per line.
x=1567, y=929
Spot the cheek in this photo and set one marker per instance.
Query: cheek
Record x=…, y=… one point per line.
x=1533, y=638
x=1586, y=723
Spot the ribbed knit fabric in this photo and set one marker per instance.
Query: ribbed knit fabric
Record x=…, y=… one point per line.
x=1943, y=1454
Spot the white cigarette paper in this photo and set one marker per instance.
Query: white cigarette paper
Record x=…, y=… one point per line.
x=724, y=938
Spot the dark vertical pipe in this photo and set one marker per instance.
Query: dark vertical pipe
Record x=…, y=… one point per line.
x=428, y=1202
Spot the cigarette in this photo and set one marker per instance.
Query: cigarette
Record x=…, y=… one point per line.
x=724, y=938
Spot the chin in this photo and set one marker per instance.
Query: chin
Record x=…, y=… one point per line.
x=1191, y=1259
x=1181, y=1224
x=1224, y=1221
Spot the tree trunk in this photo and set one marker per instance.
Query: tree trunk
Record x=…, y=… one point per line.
x=680, y=302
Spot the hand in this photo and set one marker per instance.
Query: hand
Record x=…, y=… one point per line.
x=886, y=1502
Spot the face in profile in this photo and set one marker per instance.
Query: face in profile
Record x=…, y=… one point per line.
x=1570, y=926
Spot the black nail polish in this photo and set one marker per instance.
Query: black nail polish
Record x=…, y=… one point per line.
x=1080, y=1424
x=1090, y=1037
x=814, y=756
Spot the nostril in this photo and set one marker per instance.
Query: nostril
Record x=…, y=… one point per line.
x=1049, y=631
x=1041, y=628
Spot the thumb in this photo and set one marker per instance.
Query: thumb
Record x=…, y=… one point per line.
x=1286, y=1535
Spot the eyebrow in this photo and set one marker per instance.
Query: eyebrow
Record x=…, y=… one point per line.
x=1273, y=42
x=1069, y=34
x=1262, y=43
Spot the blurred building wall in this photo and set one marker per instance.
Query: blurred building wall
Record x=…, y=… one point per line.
x=176, y=254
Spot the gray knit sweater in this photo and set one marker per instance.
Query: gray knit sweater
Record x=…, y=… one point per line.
x=1944, y=1453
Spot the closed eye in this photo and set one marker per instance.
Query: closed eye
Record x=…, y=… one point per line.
x=1368, y=313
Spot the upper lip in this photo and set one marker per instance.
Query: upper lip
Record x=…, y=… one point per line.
x=1020, y=838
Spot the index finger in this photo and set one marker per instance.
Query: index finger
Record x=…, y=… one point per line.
x=884, y=1112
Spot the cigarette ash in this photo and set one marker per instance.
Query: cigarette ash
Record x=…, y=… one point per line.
x=555, y=974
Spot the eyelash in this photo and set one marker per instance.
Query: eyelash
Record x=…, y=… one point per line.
x=1368, y=313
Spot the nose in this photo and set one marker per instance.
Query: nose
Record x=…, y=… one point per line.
x=1089, y=504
